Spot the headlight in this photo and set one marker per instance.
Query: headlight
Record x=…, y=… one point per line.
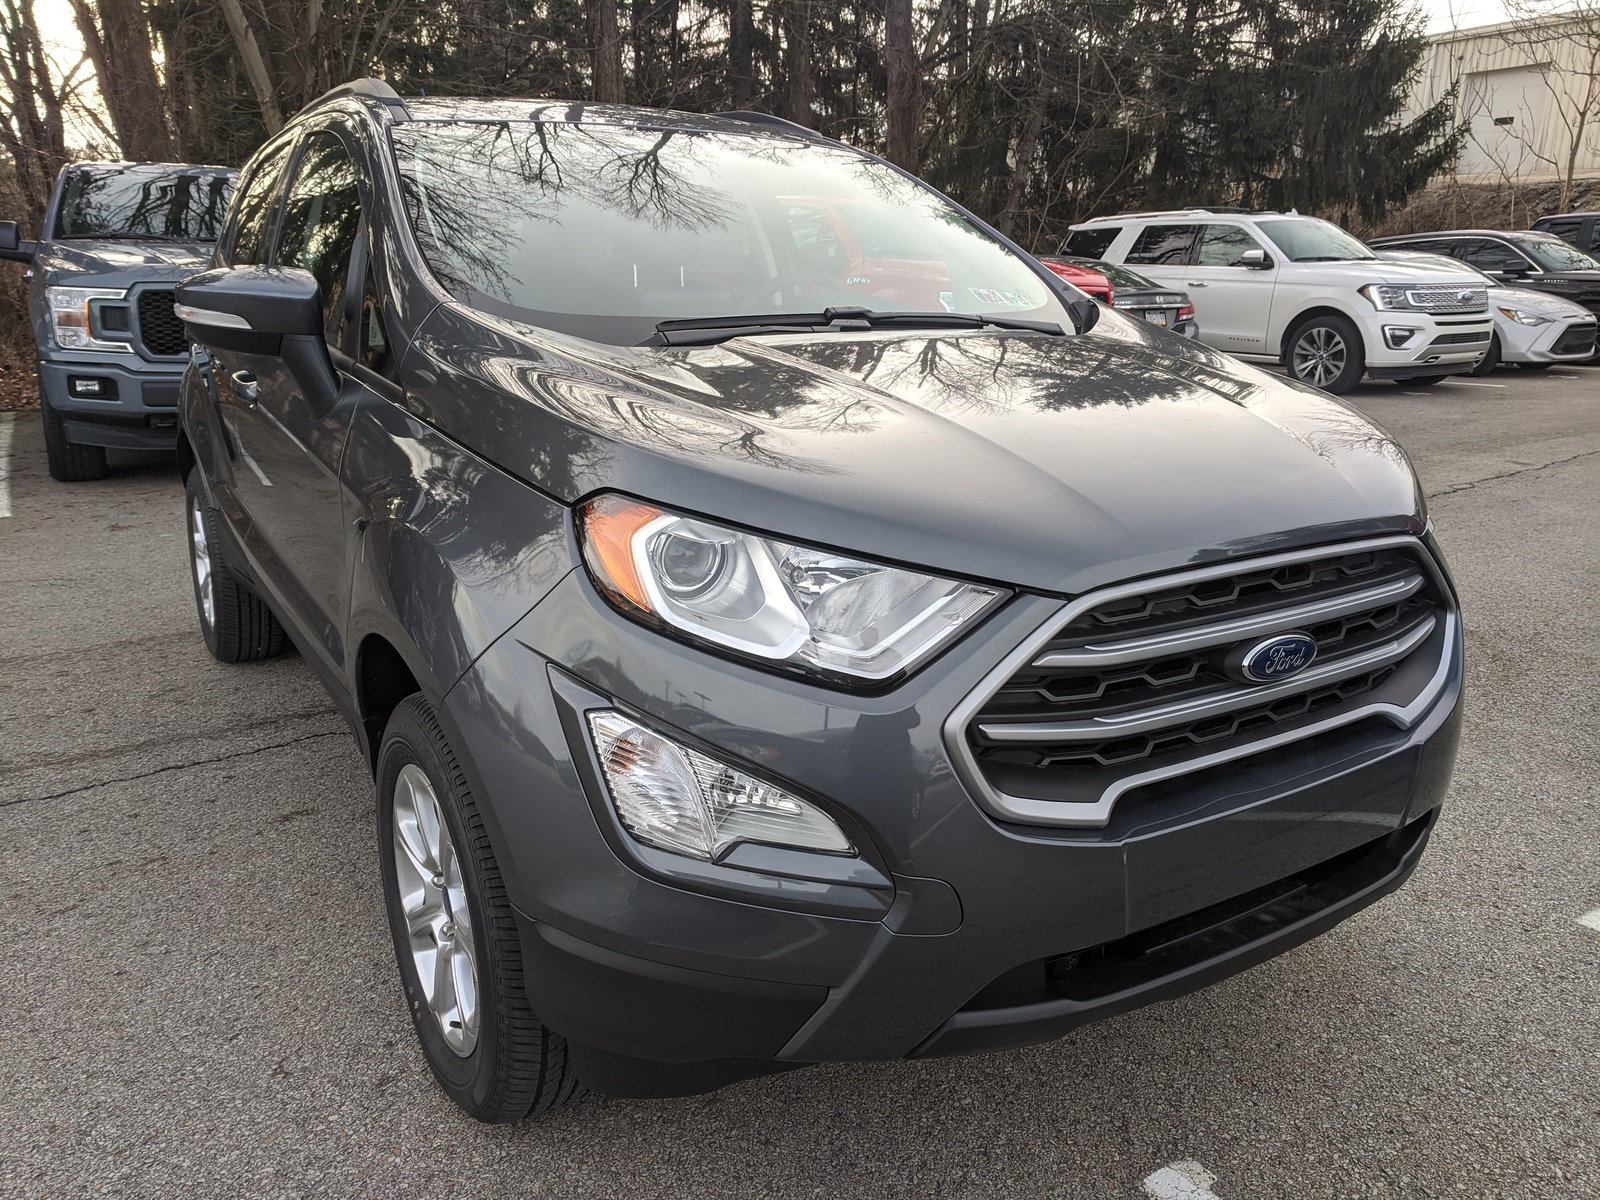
x=795, y=605
x=681, y=800
x=1523, y=317
x=69, y=318
x=1387, y=295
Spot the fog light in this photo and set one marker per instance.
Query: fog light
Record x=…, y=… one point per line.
x=1396, y=336
x=681, y=800
x=88, y=387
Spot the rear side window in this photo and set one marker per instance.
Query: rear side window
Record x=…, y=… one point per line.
x=1567, y=229
x=321, y=219
x=252, y=237
x=1162, y=245
x=1092, y=242
x=1221, y=246
x=1489, y=255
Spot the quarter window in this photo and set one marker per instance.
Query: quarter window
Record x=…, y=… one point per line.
x=1163, y=245
x=1221, y=246
x=321, y=220
x=1489, y=255
x=258, y=205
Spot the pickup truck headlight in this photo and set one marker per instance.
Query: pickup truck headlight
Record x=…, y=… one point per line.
x=69, y=318
x=1523, y=317
x=782, y=603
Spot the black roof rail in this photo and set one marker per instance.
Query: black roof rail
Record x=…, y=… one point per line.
x=364, y=89
x=777, y=124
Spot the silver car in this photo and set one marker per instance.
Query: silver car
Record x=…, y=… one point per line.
x=1533, y=329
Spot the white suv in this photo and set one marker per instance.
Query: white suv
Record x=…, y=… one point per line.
x=1303, y=292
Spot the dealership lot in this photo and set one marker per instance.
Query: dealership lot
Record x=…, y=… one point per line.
x=200, y=994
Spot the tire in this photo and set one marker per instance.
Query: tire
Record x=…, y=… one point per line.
x=236, y=623
x=1535, y=366
x=1491, y=360
x=1326, y=352
x=68, y=461
x=480, y=1037
x=1422, y=381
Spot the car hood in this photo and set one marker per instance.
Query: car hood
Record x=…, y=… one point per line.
x=119, y=263
x=1383, y=270
x=1054, y=463
x=1539, y=302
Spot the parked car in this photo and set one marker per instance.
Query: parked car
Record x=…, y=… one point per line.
x=1088, y=279
x=754, y=678
x=116, y=237
x=1139, y=297
x=1581, y=229
x=1300, y=291
x=1538, y=261
x=1533, y=330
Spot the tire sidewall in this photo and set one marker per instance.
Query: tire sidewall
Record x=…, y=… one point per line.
x=1491, y=358
x=1356, y=352
x=195, y=489
x=470, y=1081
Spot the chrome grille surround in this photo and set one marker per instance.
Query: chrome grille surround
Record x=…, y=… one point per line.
x=1448, y=299
x=1349, y=687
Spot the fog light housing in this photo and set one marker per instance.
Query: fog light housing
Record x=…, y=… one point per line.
x=1396, y=337
x=90, y=387
x=678, y=799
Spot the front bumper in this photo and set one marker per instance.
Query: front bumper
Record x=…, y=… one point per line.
x=1555, y=342
x=1435, y=345
x=137, y=408
x=670, y=976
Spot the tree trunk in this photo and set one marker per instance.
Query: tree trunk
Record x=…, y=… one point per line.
x=607, y=41
x=797, y=61
x=255, y=67
x=905, y=83
x=119, y=46
x=741, y=54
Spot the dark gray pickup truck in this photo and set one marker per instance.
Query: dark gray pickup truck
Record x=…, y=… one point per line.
x=116, y=238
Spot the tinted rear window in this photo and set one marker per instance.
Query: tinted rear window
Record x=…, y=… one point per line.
x=1092, y=242
x=1162, y=245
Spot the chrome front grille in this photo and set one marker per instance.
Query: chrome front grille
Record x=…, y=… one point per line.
x=1141, y=681
x=1440, y=300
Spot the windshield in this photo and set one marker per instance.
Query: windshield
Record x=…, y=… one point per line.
x=1438, y=260
x=184, y=205
x=1306, y=239
x=1555, y=255
x=1119, y=276
x=604, y=231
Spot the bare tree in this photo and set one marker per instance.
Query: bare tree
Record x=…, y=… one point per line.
x=607, y=42
x=116, y=37
x=1561, y=40
x=905, y=83
x=34, y=99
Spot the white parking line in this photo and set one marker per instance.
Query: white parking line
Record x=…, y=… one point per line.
x=1181, y=1181
x=1591, y=920
x=1466, y=383
x=6, y=420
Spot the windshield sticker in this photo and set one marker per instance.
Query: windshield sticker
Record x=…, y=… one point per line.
x=1008, y=299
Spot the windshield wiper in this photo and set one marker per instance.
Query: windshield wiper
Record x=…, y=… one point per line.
x=706, y=331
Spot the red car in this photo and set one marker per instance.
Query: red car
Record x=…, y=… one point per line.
x=1085, y=280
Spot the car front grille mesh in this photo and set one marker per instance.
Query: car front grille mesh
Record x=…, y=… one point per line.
x=1577, y=340
x=1151, y=679
x=1449, y=299
x=160, y=331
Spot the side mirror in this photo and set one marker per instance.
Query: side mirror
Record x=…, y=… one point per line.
x=12, y=246
x=1085, y=314
x=1256, y=260
x=1513, y=270
x=270, y=311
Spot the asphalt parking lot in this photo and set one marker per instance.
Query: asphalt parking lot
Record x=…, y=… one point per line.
x=200, y=997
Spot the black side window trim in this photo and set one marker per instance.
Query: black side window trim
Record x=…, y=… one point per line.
x=236, y=209
x=347, y=343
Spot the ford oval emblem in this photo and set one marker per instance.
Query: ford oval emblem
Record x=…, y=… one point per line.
x=1279, y=657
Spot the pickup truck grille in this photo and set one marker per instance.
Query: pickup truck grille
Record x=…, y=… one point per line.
x=1148, y=680
x=160, y=331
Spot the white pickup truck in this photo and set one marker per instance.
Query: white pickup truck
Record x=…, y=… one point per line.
x=1303, y=292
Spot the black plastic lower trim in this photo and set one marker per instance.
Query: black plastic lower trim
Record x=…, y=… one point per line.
x=1401, y=374
x=1188, y=953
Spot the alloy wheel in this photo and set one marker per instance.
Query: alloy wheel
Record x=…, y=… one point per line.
x=200, y=560
x=433, y=895
x=1320, y=356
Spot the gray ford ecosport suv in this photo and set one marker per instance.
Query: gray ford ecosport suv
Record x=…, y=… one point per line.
x=784, y=626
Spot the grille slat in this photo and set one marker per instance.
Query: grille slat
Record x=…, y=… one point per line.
x=1449, y=299
x=160, y=330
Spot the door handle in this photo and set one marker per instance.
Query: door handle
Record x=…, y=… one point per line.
x=1194, y=283
x=244, y=383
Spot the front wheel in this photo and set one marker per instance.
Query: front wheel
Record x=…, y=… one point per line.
x=455, y=936
x=1490, y=360
x=1423, y=380
x=1327, y=353
x=236, y=623
x=68, y=461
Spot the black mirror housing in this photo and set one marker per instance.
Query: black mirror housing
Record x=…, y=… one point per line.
x=272, y=311
x=12, y=246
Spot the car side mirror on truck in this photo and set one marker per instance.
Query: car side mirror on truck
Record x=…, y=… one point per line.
x=1256, y=260
x=269, y=311
x=12, y=246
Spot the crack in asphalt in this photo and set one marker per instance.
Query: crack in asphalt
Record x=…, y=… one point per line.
x=182, y=766
x=1472, y=483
